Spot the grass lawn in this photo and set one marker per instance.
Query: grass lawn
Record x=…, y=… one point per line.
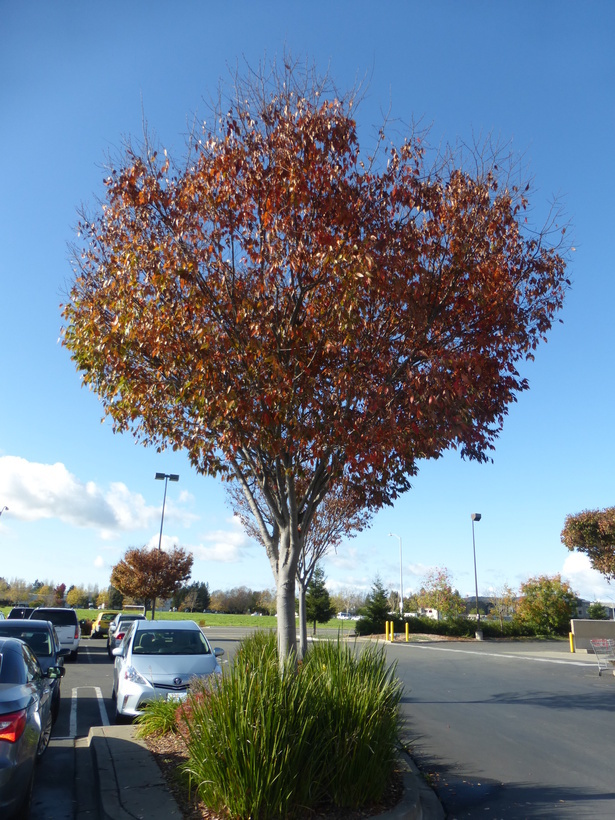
x=215, y=619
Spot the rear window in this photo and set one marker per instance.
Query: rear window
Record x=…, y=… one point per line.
x=58, y=617
x=37, y=639
x=20, y=612
x=12, y=669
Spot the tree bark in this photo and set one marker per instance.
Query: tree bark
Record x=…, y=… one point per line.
x=303, y=643
x=287, y=628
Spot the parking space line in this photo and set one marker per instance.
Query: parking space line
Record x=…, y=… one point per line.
x=104, y=717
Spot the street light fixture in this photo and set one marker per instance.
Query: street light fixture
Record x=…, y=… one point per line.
x=166, y=477
x=475, y=517
x=401, y=576
x=3, y=509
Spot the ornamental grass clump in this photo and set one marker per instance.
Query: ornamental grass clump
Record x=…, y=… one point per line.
x=274, y=741
x=359, y=720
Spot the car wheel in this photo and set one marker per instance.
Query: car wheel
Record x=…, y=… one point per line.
x=43, y=741
x=74, y=655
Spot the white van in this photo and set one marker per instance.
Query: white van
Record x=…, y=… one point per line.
x=67, y=626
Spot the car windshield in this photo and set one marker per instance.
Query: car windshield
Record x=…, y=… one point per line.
x=37, y=639
x=170, y=642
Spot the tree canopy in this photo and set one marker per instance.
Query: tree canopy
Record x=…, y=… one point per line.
x=593, y=532
x=294, y=312
x=547, y=604
x=147, y=574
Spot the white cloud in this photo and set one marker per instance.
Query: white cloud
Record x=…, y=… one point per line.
x=34, y=491
x=99, y=562
x=224, y=546
x=585, y=581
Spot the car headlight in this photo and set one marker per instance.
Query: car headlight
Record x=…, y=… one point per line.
x=131, y=674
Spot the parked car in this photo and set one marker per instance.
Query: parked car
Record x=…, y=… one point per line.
x=100, y=627
x=67, y=626
x=25, y=722
x=118, y=628
x=43, y=640
x=21, y=612
x=157, y=660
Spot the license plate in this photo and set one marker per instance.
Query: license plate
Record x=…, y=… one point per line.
x=177, y=696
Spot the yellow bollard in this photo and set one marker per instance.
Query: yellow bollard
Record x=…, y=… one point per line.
x=407, y=631
x=392, y=631
x=571, y=638
x=386, y=630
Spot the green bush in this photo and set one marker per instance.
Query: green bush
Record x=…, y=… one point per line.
x=270, y=742
x=158, y=718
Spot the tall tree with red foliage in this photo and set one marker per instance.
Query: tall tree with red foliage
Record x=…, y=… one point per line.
x=293, y=312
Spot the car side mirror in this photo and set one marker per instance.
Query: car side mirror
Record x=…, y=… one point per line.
x=55, y=672
x=218, y=652
x=117, y=652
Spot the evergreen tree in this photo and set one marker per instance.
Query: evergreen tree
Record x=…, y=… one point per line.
x=376, y=610
x=319, y=608
x=597, y=612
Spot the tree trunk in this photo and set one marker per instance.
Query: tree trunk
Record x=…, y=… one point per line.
x=287, y=628
x=303, y=642
x=153, y=608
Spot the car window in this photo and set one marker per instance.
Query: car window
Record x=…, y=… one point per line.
x=33, y=670
x=37, y=639
x=12, y=668
x=58, y=617
x=170, y=642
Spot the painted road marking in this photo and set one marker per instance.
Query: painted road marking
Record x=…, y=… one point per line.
x=104, y=717
x=501, y=655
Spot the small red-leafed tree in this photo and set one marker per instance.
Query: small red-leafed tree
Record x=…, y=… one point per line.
x=592, y=532
x=148, y=574
x=295, y=313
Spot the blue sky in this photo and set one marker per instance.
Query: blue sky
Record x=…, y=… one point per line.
x=77, y=78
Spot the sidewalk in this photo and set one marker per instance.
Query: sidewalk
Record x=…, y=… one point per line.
x=118, y=779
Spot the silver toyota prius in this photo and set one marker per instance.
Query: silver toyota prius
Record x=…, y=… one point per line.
x=157, y=660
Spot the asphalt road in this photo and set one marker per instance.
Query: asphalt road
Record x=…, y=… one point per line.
x=499, y=735
x=523, y=735
x=85, y=702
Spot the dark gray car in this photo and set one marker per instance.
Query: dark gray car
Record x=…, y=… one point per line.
x=25, y=722
x=43, y=640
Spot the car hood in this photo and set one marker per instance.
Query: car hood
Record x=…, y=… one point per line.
x=165, y=668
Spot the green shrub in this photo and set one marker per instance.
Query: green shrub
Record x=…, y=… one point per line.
x=158, y=718
x=270, y=741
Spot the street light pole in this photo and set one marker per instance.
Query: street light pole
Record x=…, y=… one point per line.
x=401, y=576
x=3, y=509
x=475, y=517
x=166, y=477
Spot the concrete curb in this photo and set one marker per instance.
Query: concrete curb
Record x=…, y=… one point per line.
x=419, y=801
x=130, y=786
x=129, y=783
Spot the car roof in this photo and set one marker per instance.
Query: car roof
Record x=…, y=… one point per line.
x=190, y=625
x=16, y=623
x=10, y=644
